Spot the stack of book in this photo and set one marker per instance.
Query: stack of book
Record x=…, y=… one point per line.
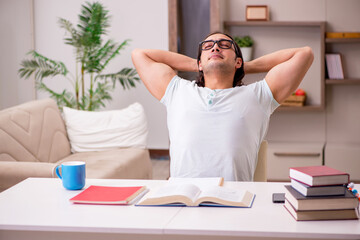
x=320, y=193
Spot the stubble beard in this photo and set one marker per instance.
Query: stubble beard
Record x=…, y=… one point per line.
x=218, y=68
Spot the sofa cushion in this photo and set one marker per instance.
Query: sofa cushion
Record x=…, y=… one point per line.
x=33, y=132
x=127, y=163
x=99, y=131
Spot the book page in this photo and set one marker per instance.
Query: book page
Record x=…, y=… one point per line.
x=226, y=196
x=172, y=194
x=199, y=182
x=139, y=197
x=189, y=190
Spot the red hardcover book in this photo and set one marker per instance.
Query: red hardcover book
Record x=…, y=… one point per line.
x=319, y=175
x=109, y=195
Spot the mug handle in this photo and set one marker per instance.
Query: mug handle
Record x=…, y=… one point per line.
x=57, y=171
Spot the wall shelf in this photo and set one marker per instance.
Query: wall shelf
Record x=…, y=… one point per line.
x=342, y=40
x=307, y=26
x=274, y=24
x=346, y=81
x=306, y=108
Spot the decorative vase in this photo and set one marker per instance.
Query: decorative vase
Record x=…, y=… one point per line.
x=246, y=53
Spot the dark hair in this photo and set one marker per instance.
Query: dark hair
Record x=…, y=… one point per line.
x=239, y=74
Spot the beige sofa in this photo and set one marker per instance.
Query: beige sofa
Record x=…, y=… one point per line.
x=33, y=141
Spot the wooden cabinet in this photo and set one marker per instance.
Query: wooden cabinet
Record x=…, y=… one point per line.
x=271, y=36
x=281, y=156
x=343, y=147
x=344, y=157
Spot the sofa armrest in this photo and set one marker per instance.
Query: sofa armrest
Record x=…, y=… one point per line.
x=12, y=173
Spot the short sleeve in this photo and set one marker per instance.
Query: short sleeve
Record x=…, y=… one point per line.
x=265, y=96
x=171, y=88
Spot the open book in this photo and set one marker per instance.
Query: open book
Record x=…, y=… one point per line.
x=176, y=193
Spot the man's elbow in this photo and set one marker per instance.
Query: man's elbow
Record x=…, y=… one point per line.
x=136, y=52
x=137, y=56
x=308, y=54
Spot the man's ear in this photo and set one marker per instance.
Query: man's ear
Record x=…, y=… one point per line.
x=238, y=63
x=200, y=67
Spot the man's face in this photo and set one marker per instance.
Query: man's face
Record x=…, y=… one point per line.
x=216, y=57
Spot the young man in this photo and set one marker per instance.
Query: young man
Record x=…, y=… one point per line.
x=216, y=126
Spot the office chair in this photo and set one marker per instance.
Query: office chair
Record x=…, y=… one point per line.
x=260, y=174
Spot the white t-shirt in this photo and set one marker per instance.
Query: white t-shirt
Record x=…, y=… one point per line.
x=216, y=133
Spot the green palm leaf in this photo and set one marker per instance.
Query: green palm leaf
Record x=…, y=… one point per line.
x=126, y=77
x=63, y=99
x=75, y=37
x=42, y=67
x=100, y=95
x=93, y=23
x=99, y=58
x=114, y=53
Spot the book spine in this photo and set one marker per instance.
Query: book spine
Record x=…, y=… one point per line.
x=322, y=185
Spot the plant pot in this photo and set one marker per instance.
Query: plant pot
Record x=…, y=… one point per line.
x=246, y=53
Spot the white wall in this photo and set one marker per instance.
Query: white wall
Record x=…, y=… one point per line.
x=280, y=10
x=144, y=22
x=16, y=41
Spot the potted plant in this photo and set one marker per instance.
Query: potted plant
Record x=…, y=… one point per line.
x=92, y=55
x=246, y=45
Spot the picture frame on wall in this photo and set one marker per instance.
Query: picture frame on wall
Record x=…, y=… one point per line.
x=257, y=13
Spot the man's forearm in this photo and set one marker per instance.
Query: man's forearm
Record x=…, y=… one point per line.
x=176, y=61
x=267, y=62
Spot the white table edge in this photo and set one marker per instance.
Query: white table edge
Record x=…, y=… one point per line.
x=259, y=234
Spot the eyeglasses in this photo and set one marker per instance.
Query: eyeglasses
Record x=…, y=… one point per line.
x=222, y=43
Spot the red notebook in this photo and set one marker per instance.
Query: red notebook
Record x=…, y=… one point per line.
x=319, y=175
x=109, y=195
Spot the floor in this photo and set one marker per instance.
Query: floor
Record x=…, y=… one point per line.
x=161, y=168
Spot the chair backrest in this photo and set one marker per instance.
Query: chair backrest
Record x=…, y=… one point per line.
x=260, y=174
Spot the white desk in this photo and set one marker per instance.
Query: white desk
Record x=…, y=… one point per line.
x=40, y=209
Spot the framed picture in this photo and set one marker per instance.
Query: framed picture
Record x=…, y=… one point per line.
x=257, y=13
